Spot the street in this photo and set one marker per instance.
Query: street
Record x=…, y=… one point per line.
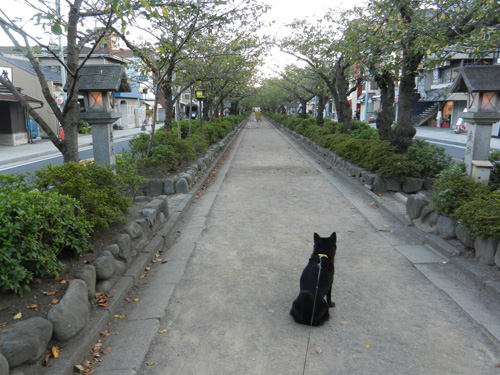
x=220, y=304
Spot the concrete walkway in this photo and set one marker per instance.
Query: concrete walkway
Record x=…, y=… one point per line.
x=220, y=304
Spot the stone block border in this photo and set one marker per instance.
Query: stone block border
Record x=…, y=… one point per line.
x=74, y=323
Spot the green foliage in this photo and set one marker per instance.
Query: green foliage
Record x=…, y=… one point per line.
x=99, y=191
x=495, y=171
x=127, y=171
x=361, y=130
x=482, y=215
x=427, y=159
x=35, y=226
x=453, y=189
x=84, y=127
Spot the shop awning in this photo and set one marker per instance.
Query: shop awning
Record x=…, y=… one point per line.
x=151, y=103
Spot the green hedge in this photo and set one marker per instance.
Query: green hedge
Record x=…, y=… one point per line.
x=363, y=147
x=35, y=226
x=169, y=152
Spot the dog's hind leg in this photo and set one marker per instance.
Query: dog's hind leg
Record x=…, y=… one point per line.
x=329, y=297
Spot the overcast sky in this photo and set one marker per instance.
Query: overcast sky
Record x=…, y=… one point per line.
x=282, y=12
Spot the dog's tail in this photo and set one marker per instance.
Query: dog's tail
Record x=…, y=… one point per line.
x=302, y=307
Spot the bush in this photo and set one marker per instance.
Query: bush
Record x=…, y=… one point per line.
x=427, y=160
x=84, y=127
x=453, y=189
x=99, y=191
x=495, y=171
x=35, y=226
x=482, y=215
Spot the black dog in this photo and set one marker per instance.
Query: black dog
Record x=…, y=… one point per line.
x=302, y=308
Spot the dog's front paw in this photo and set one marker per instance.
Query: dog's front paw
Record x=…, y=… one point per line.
x=331, y=304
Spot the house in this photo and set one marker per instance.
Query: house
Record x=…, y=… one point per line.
x=444, y=109
x=14, y=120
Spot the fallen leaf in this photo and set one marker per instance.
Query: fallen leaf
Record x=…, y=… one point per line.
x=80, y=368
x=444, y=262
x=120, y=316
x=344, y=323
x=46, y=360
x=318, y=350
x=106, y=350
x=108, y=295
x=17, y=316
x=54, y=301
x=33, y=306
x=136, y=300
x=55, y=351
x=379, y=194
x=104, y=304
x=51, y=293
x=162, y=331
x=128, y=299
x=105, y=334
x=368, y=346
x=150, y=363
x=387, y=226
x=143, y=276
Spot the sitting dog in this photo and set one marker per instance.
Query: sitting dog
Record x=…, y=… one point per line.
x=302, y=307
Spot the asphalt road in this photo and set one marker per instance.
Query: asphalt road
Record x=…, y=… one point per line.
x=220, y=305
x=30, y=166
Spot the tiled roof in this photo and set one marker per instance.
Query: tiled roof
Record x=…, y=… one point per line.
x=23, y=63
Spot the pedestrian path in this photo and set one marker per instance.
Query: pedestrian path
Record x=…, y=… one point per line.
x=222, y=307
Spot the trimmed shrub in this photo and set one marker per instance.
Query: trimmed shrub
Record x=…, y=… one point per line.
x=453, y=189
x=427, y=160
x=35, y=226
x=481, y=215
x=98, y=190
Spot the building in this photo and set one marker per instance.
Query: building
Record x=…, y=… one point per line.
x=16, y=126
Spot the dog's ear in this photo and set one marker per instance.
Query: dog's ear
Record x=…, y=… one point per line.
x=333, y=237
x=316, y=237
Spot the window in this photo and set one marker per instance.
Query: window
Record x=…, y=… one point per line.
x=130, y=110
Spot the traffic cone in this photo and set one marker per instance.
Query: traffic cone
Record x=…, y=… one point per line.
x=62, y=134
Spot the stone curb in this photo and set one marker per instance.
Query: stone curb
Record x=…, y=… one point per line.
x=476, y=272
x=79, y=346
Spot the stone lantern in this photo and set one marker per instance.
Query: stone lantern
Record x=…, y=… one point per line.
x=98, y=84
x=482, y=83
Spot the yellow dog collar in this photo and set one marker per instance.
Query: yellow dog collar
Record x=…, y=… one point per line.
x=323, y=255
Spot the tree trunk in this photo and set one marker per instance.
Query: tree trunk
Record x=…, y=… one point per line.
x=385, y=117
x=322, y=99
x=344, y=108
x=404, y=131
x=303, y=112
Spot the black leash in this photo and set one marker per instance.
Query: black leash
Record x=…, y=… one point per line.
x=314, y=308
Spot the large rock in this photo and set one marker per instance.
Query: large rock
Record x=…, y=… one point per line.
x=378, y=186
x=154, y=187
x=72, y=313
x=486, y=250
x=4, y=365
x=25, y=341
x=497, y=256
x=133, y=229
x=169, y=185
x=412, y=185
x=414, y=206
x=181, y=186
x=368, y=177
x=392, y=184
x=124, y=241
x=104, y=265
x=88, y=274
x=446, y=227
x=160, y=204
x=463, y=236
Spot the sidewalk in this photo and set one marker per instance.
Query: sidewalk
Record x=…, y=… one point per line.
x=220, y=304
x=448, y=135
x=43, y=147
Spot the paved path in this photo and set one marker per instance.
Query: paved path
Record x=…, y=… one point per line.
x=233, y=271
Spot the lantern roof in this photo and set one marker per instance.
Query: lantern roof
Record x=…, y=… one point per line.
x=477, y=78
x=103, y=77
